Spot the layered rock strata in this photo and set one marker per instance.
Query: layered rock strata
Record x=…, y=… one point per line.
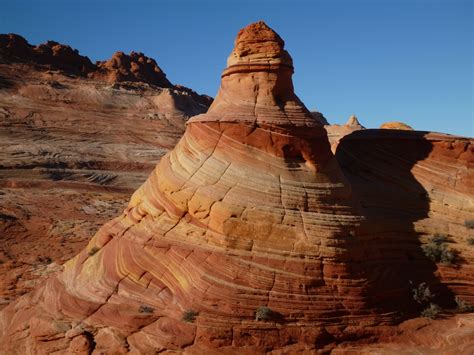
x=128, y=70
x=78, y=145
x=246, y=237
x=249, y=210
x=417, y=185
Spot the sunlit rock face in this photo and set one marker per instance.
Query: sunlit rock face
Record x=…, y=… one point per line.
x=396, y=125
x=249, y=210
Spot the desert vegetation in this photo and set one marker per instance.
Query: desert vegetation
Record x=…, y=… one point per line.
x=432, y=311
x=145, y=309
x=469, y=223
x=463, y=306
x=264, y=313
x=93, y=250
x=190, y=315
x=424, y=297
x=437, y=250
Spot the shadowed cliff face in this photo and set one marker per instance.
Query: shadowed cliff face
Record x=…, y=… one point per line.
x=413, y=185
x=249, y=211
x=382, y=166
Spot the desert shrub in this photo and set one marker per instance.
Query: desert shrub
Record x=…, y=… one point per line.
x=437, y=251
x=93, y=250
x=432, y=311
x=469, y=223
x=190, y=315
x=439, y=238
x=470, y=241
x=145, y=309
x=463, y=306
x=264, y=313
x=422, y=293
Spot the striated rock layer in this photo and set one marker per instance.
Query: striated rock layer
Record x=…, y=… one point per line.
x=79, y=146
x=417, y=185
x=251, y=209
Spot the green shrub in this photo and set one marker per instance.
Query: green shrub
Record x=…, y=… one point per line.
x=463, y=306
x=432, y=311
x=469, y=223
x=422, y=293
x=190, y=316
x=437, y=251
x=145, y=309
x=439, y=238
x=93, y=250
x=264, y=313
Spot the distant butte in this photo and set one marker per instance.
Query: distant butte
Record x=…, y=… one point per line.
x=252, y=236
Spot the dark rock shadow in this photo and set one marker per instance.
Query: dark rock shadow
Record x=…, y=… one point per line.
x=387, y=247
x=6, y=83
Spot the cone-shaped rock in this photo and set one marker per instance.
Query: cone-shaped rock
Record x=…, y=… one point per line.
x=249, y=210
x=256, y=86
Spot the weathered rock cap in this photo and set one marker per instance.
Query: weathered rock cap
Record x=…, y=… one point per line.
x=257, y=87
x=133, y=67
x=258, y=47
x=396, y=125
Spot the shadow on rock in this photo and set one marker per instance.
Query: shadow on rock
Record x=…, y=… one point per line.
x=378, y=164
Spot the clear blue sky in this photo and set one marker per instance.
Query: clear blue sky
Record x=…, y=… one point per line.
x=407, y=60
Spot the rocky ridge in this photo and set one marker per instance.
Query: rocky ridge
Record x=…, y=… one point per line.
x=120, y=68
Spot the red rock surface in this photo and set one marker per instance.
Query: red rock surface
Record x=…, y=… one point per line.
x=133, y=67
x=72, y=151
x=14, y=48
x=122, y=69
x=251, y=209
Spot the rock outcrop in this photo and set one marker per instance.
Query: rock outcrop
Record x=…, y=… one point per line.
x=249, y=210
x=121, y=69
x=396, y=125
x=418, y=186
x=337, y=132
x=249, y=237
x=52, y=54
x=135, y=67
x=77, y=145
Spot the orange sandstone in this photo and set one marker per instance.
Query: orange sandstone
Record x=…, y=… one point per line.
x=251, y=209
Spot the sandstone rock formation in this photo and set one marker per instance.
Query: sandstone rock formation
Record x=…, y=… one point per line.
x=121, y=68
x=77, y=145
x=423, y=183
x=57, y=56
x=249, y=210
x=133, y=67
x=320, y=117
x=250, y=236
x=337, y=132
x=396, y=125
